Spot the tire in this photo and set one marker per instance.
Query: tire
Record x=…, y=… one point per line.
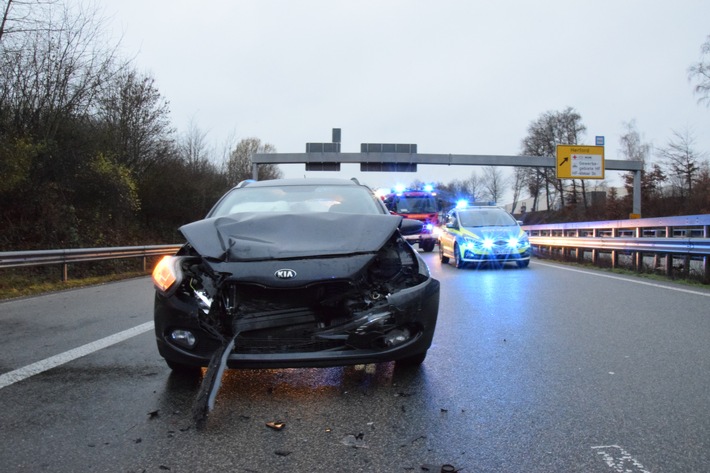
x=523, y=264
x=411, y=361
x=458, y=262
x=180, y=368
x=427, y=246
x=442, y=258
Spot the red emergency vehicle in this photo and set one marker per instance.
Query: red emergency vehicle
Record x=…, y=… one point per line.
x=420, y=205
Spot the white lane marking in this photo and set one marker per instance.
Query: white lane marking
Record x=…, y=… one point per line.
x=619, y=459
x=25, y=372
x=645, y=283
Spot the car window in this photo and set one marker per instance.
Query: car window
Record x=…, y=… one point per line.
x=299, y=199
x=415, y=204
x=485, y=218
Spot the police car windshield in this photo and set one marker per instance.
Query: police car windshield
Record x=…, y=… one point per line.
x=485, y=218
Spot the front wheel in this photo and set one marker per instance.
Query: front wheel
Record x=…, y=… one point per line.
x=458, y=261
x=411, y=361
x=442, y=258
x=523, y=264
x=427, y=245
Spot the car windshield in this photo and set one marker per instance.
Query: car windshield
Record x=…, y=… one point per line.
x=485, y=218
x=424, y=204
x=299, y=199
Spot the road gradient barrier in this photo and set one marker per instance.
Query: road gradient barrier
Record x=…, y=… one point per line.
x=14, y=259
x=674, y=246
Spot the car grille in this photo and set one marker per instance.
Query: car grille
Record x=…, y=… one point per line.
x=287, y=320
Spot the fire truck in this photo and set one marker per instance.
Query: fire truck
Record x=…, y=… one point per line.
x=419, y=205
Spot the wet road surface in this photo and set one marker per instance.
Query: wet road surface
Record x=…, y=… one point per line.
x=545, y=369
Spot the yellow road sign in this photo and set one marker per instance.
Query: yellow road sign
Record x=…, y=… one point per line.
x=580, y=162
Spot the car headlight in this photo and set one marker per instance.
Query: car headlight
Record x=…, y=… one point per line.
x=469, y=243
x=516, y=243
x=167, y=273
x=488, y=243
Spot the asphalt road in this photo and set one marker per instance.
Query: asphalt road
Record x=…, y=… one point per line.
x=545, y=369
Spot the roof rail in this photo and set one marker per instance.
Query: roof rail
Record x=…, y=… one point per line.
x=245, y=183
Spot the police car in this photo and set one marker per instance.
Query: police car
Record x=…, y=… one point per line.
x=482, y=234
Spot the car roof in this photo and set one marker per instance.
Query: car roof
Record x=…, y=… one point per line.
x=475, y=208
x=300, y=182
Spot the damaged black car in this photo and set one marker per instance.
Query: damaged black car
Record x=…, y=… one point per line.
x=295, y=273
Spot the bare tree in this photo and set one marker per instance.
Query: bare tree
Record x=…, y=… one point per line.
x=459, y=189
x=493, y=183
x=544, y=134
x=239, y=164
x=518, y=182
x=54, y=73
x=192, y=147
x=23, y=16
x=136, y=120
x=700, y=72
x=632, y=146
x=683, y=162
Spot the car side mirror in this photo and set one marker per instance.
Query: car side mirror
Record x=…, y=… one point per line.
x=409, y=226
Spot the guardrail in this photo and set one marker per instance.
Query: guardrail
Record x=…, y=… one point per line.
x=14, y=259
x=666, y=244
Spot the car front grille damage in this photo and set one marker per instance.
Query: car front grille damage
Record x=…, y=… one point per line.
x=361, y=311
x=352, y=313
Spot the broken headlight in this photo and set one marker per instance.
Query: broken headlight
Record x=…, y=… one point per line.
x=167, y=274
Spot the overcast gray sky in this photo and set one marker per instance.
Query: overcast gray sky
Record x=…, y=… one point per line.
x=459, y=77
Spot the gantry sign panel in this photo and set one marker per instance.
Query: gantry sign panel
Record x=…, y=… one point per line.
x=580, y=162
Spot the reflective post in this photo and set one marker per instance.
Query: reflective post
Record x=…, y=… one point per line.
x=637, y=193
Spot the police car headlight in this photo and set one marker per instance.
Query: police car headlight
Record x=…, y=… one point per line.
x=518, y=243
x=468, y=243
x=487, y=243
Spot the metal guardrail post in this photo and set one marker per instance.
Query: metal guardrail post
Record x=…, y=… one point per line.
x=682, y=241
x=15, y=259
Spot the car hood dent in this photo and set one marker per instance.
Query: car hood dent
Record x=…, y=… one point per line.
x=260, y=236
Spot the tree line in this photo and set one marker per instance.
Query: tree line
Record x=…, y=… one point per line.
x=675, y=179
x=89, y=157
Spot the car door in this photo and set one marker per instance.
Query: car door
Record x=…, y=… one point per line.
x=448, y=236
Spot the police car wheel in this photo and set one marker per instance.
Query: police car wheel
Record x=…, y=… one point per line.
x=442, y=258
x=458, y=261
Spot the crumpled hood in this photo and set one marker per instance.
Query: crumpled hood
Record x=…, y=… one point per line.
x=277, y=235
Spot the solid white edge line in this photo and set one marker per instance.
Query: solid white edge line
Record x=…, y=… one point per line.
x=25, y=372
x=645, y=283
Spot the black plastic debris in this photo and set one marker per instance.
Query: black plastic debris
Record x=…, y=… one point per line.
x=153, y=414
x=446, y=468
x=204, y=403
x=283, y=453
